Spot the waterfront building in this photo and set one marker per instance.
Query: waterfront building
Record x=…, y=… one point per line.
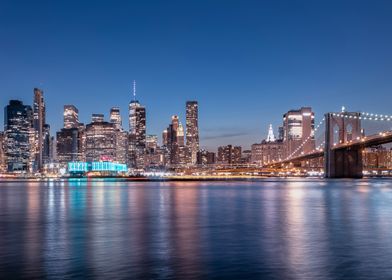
x=268, y=151
x=192, y=130
x=42, y=131
x=229, y=154
x=71, y=139
x=246, y=157
x=19, y=137
x=205, y=157
x=377, y=157
x=71, y=116
x=298, y=126
x=69, y=146
x=100, y=140
x=2, y=153
x=137, y=132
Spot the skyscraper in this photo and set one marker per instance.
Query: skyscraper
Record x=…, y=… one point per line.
x=121, y=135
x=152, y=142
x=205, y=157
x=100, y=140
x=137, y=132
x=18, y=121
x=2, y=152
x=180, y=135
x=165, y=139
x=97, y=118
x=70, y=140
x=41, y=132
x=69, y=146
x=298, y=125
x=71, y=116
x=173, y=139
x=115, y=117
x=192, y=129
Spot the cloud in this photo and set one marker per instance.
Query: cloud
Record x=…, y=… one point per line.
x=225, y=135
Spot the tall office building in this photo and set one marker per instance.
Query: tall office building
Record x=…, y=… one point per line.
x=165, y=139
x=41, y=130
x=69, y=146
x=2, y=152
x=53, y=149
x=71, y=116
x=70, y=140
x=280, y=133
x=152, y=142
x=137, y=132
x=115, y=117
x=175, y=141
x=298, y=125
x=121, y=135
x=192, y=130
x=229, y=154
x=97, y=118
x=19, y=136
x=100, y=140
x=180, y=135
x=205, y=157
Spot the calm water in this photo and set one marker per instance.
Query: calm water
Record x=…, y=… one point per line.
x=192, y=230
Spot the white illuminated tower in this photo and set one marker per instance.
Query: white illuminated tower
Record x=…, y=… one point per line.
x=271, y=136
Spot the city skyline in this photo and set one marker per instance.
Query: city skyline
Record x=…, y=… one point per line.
x=239, y=62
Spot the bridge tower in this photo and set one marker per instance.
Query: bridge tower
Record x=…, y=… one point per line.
x=345, y=162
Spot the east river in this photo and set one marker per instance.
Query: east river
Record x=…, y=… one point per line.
x=266, y=229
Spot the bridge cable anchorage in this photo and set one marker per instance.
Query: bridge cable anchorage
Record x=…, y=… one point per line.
x=305, y=141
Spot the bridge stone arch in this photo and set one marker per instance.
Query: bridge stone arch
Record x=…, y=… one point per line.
x=346, y=162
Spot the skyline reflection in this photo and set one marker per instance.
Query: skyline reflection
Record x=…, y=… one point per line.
x=176, y=230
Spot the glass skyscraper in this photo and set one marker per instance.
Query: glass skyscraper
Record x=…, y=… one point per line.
x=192, y=130
x=18, y=129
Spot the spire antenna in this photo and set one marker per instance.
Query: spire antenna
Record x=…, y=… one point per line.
x=134, y=90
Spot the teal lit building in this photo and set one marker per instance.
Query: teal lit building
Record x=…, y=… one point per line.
x=104, y=167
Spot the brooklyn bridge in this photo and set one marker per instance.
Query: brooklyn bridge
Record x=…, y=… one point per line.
x=339, y=154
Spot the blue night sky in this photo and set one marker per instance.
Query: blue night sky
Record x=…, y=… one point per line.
x=246, y=62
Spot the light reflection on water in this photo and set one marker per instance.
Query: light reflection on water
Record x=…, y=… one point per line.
x=293, y=229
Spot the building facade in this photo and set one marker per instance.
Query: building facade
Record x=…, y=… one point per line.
x=298, y=126
x=42, y=131
x=137, y=134
x=101, y=140
x=269, y=150
x=19, y=137
x=2, y=153
x=192, y=130
x=71, y=116
x=121, y=136
x=229, y=154
x=205, y=157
